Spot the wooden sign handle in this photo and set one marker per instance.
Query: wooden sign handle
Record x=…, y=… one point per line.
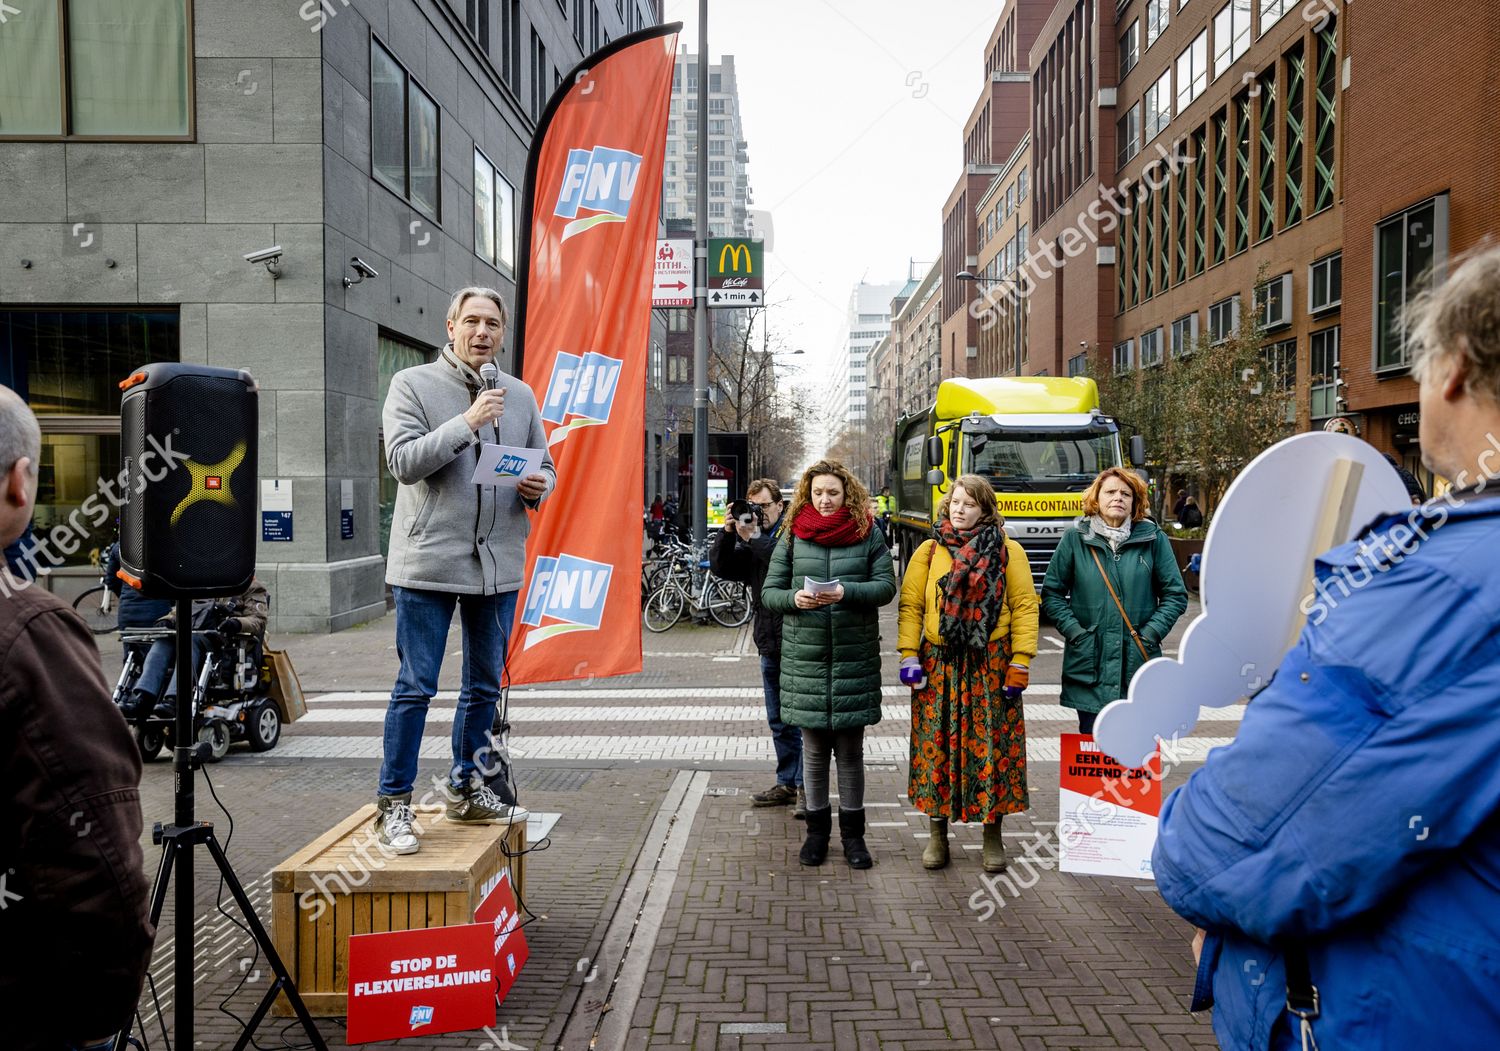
x=1330, y=530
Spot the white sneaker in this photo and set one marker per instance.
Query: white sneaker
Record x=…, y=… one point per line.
x=393, y=824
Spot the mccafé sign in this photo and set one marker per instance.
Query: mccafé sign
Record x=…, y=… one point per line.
x=738, y=264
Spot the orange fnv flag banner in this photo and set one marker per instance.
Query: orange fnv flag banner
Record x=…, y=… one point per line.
x=583, y=316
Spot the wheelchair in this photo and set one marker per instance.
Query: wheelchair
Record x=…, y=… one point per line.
x=231, y=696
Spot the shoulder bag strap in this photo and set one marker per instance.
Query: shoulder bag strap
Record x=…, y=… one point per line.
x=1129, y=626
x=1301, y=994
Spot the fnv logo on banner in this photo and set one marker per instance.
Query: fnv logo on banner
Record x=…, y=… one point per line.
x=580, y=393
x=569, y=593
x=600, y=180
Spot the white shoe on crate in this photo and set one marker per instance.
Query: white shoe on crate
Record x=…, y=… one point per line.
x=394, y=824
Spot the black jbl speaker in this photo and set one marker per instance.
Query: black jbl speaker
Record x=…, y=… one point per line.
x=188, y=436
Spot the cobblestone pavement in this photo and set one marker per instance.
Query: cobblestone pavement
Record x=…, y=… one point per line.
x=669, y=913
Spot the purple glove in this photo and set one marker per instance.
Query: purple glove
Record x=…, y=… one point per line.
x=912, y=674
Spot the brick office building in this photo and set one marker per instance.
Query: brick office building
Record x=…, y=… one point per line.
x=1423, y=185
x=1255, y=144
x=1072, y=155
x=1246, y=112
x=993, y=137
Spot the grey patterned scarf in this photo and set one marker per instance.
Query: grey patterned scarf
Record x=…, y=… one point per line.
x=1112, y=535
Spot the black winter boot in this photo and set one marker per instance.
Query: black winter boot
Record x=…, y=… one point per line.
x=852, y=831
x=819, y=828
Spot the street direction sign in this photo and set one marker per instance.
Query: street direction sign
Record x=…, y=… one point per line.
x=736, y=272
x=672, y=285
x=735, y=297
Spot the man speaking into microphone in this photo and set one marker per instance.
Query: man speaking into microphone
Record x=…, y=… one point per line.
x=454, y=543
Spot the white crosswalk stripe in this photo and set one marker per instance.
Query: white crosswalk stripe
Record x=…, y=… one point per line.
x=684, y=748
x=521, y=714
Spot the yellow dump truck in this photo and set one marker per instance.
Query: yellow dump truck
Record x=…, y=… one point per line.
x=1039, y=440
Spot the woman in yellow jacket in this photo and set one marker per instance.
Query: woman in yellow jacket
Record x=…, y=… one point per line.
x=967, y=634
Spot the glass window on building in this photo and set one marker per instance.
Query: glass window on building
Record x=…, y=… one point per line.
x=1231, y=34
x=1223, y=320
x=1130, y=48
x=393, y=355
x=1192, y=71
x=404, y=144
x=494, y=216
x=1159, y=106
x=1128, y=134
x=1158, y=14
x=1410, y=249
x=1323, y=372
x=717, y=106
x=1124, y=356
x=68, y=364
x=1271, y=11
x=117, y=70
x=1151, y=348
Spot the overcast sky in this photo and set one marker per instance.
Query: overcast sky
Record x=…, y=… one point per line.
x=854, y=116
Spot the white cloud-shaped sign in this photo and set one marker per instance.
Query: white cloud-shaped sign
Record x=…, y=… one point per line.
x=1298, y=499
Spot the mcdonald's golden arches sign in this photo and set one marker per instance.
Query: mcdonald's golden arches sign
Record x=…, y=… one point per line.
x=736, y=272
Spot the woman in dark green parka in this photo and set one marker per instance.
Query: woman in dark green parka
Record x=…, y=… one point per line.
x=1100, y=655
x=830, y=644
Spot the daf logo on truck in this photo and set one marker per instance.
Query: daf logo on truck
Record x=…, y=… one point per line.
x=1039, y=440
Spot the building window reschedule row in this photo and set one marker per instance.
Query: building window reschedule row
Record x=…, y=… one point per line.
x=95, y=69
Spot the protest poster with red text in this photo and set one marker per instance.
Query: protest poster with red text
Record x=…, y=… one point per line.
x=419, y=982
x=1107, y=818
x=498, y=910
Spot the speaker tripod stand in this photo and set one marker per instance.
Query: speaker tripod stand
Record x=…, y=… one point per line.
x=177, y=842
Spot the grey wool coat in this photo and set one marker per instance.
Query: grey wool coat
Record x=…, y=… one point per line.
x=448, y=534
x=830, y=657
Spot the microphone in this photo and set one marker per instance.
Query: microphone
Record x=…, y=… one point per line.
x=490, y=374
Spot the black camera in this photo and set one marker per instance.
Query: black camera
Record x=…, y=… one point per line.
x=747, y=514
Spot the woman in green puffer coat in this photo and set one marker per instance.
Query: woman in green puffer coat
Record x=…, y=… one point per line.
x=1114, y=546
x=830, y=644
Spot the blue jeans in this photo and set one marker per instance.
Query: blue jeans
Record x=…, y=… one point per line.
x=422, y=621
x=161, y=661
x=787, y=739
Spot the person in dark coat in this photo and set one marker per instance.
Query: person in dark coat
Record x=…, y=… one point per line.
x=1413, y=487
x=830, y=643
x=1191, y=515
x=74, y=916
x=743, y=552
x=1114, y=546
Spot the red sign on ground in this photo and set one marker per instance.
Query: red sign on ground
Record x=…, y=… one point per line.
x=498, y=911
x=405, y=983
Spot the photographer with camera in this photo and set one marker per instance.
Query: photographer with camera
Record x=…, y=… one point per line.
x=742, y=551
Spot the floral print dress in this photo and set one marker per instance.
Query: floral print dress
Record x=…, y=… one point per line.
x=968, y=744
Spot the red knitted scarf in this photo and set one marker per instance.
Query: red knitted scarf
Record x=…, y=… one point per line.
x=836, y=530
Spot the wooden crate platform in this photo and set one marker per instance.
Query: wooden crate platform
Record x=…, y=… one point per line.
x=342, y=884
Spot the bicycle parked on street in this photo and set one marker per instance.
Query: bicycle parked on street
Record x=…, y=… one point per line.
x=98, y=605
x=686, y=584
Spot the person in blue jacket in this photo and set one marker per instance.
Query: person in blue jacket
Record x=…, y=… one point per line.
x=1347, y=843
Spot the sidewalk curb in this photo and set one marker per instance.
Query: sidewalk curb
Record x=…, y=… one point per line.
x=631, y=935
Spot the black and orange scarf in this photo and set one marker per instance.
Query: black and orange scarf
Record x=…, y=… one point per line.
x=972, y=593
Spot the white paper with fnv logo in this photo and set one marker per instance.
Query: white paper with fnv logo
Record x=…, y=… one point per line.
x=505, y=465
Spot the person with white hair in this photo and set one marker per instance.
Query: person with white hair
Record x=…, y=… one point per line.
x=74, y=915
x=1341, y=856
x=454, y=544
